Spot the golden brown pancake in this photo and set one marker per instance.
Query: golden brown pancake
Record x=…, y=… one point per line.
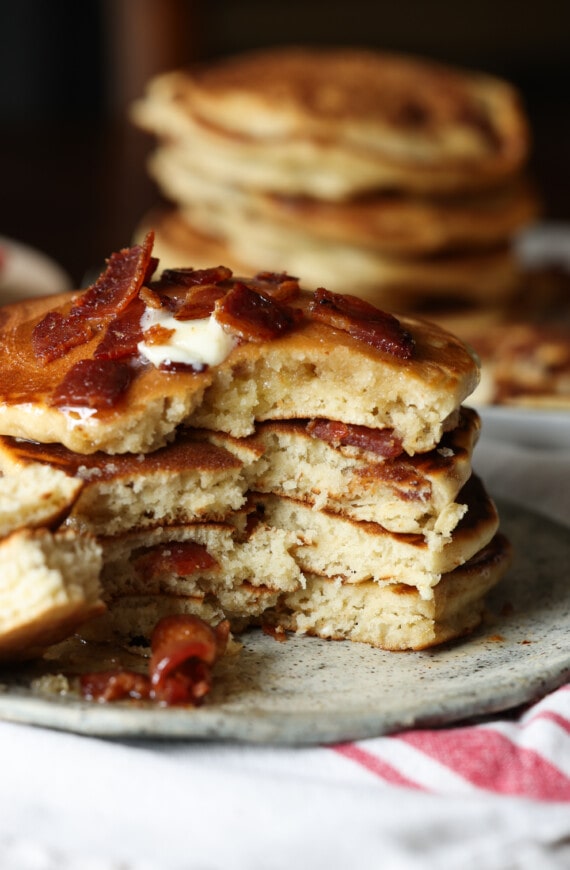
x=403, y=494
x=487, y=276
x=185, y=481
x=390, y=223
x=332, y=122
x=312, y=370
x=49, y=586
x=395, y=617
x=366, y=551
x=523, y=363
x=161, y=446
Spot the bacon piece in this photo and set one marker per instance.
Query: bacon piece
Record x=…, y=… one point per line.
x=192, y=277
x=55, y=335
x=123, y=334
x=183, y=650
x=110, y=295
x=158, y=334
x=253, y=316
x=362, y=321
x=182, y=558
x=200, y=302
x=115, y=685
x=380, y=441
x=121, y=281
x=278, y=285
x=93, y=384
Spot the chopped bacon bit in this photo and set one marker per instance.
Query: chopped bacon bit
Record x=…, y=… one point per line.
x=253, y=316
x=200, y=302
x=114, y=685
x=278, y=285
x=362, y=321
x=151, y=298
x=381, y=441
x=93, y=384
x=184, y=650
x=123, y=334
x=277, y=632
x=181, y=559
x=157, y=334
x=193, y=277
x=55, y=335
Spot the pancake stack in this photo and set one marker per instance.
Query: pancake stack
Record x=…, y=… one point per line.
x=238, y=449
x=395, y=178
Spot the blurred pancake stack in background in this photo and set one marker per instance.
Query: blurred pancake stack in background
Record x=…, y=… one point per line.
x=394, y=178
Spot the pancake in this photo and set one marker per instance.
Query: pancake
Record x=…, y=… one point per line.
x=484, y=276
x=395, y=617
x=330, y=123
x=366, y=551
x=49, y=586
x=311, y=368
x=403, y=494
x=35, y=497
x=390, y=223
x=185, y=481
x=217, y=444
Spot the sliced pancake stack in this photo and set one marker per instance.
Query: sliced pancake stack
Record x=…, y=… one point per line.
x=394, y=178
x=237, y=448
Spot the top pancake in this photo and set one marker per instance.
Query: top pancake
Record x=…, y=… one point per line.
x=313, y=370
x=385, y=120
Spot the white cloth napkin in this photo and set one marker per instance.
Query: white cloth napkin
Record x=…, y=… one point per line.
x=495, y=794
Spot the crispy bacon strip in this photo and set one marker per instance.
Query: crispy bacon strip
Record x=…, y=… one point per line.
x=200, y=302
x=93, y=384
x=121, y=281
x=187, y=277
x=383, y=442
x=122, y=334
x=55, y=335
x=253, y=316
x=362, y=321
x=108, y=297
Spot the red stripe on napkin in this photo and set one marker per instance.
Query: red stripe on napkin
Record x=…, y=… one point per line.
x=375, y=765
x=491, y=761
x=527, y=758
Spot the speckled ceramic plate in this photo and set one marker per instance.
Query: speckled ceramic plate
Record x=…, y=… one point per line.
x=311, y=691
x=534, y=428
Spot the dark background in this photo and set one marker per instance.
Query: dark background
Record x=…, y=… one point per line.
x=72, y=167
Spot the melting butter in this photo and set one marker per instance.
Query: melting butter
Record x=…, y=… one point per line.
x=195, y=343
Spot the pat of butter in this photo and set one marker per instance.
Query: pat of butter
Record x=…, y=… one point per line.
x=196, y=343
